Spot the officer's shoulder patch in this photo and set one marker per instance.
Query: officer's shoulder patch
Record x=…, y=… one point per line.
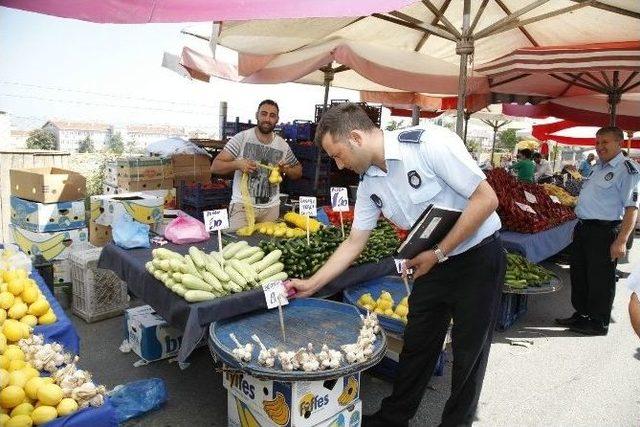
x=631, y=167
x=411, y=136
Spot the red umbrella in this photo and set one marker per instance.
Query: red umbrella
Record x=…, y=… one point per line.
x=549, y=131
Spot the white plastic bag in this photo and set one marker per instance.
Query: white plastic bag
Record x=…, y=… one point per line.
x=11, y=258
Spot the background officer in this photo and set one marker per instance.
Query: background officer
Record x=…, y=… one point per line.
x=607, y=209
x=402, y=173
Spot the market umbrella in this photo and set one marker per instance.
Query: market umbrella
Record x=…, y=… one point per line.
x=573, y=73
x=572, y=133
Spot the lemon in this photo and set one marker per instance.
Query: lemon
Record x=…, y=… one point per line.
x=30, y=320
x=22, y=273
x=11, y=396
x=3, y=419
x=402, y=310
x=13, y=352
x=48, y=318
x=19, y=421
x=3, y=315
x=12, y=329
x=30, y=295
x=16, y=286
x=32, y=386
x=17, y=378
x=67, y=406
x=43, y=414
x=18, y=310
x=30, y=372
x=4, y=362
x=16, y=364
x=3, y=343
x=49, y=394
x=39, y=307
x=22, y=409
x=4, y=378
x=9, y=275
x=6, y=300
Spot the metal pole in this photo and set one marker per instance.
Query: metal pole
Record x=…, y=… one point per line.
x=415, y=115
x=464, y=48
x=614, y=97
x=222, y=118
x=493, y=146
x=328, y=78
x=467, y=115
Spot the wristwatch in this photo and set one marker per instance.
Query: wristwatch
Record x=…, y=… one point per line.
x=439, y=254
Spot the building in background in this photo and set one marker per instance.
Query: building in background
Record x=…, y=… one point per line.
x=18, y=138
x=69, y=134
x=141, y=135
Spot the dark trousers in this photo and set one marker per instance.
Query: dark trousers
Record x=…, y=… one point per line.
x=593, y=274
x=466, y=288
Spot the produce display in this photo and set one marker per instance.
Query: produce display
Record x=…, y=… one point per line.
x=563, y=195
x=522, y=274
x=523, y=216
x=22, y=305
x=199, y=276
x=347, y=218
x=385, y=306
x=279, y=229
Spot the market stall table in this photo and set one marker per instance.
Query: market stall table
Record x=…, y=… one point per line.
x=537, y=247
x=193, y=318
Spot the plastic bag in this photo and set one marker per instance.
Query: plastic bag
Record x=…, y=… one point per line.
x=185, y=229
x=129, y=234
x=12, y=258
x=137, y=398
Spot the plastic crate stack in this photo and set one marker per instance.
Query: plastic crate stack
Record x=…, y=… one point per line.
x=307, y=154
x=373, y=111
x=512, y=307
x=299, y=130
x=98, y=294
x=232, y=128
x=196, y=198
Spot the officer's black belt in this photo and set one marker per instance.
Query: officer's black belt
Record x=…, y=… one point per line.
x=483, y=242
x=599, y=222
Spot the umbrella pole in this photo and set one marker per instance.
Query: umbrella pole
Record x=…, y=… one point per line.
x=415, y=115
x=464, y=48
x=614, y=98
x=493, y=146
x=467, y=115
x=328, y=78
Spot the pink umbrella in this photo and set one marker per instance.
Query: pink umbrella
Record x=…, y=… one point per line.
x=578, y=134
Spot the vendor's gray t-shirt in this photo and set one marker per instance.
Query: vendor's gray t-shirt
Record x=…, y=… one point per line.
x=246, y=145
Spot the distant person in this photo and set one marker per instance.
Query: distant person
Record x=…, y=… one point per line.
x=242, y=153
x=585, y=165
x=524, y=167
x=607, y=210
x=544, y=172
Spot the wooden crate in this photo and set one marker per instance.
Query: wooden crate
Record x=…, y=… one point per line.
x=22, y=159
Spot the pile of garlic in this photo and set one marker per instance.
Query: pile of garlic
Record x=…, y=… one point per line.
x=75, y=383
x=267, y=356
x=242, y=353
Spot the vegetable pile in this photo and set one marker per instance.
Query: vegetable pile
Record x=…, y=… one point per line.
x=513, y=204
x=385, y=306
x=198, y=276
x=565, y=198
x=294, y=225
x=522, y=274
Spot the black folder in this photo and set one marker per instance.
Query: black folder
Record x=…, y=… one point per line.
x=432, y=226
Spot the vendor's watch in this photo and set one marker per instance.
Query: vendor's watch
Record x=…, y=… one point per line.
x=439, y=254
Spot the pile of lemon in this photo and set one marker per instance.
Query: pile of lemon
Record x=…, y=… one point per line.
x=385, y=305
x=22, y=305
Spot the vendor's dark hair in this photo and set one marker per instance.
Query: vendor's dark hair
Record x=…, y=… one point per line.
x=611, y=130
x=526, y=153
x=342, y=119
x=537, y=155
x=269, y=102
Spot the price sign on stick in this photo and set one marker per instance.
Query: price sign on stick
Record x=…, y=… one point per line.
x=530, y=197
x=339, y=199
x=216, y=220
x=526, y=208
x=274, y=291
x=308, y=206
x=554, y=199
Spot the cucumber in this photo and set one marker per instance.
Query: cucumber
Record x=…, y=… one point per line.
x=177, y=277
x=234, y=275
x=229, y=253
x=157, y=263
x=247, y=252
x=169, y=283
x=245, y=270
x=197, y=296
x=267, y=261
x=149, y=267
x=211, y=279
x=213, y=267
x=197, y=257
x=180, y=290
x=271, y=270
x=158, y=274
x=278, y=276
x=163, y=253
x=217, y=257
x=176, y=265
x=192, y=282
x=165, y=265
x=255, y=257
x=190, y=267
x=232, y=287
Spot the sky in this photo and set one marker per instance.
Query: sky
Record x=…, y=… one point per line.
x=56, y=68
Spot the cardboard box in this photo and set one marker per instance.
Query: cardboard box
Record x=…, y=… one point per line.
x=40, y=217
x=240, y=414
x=47, y=185
x=99, y=235
x=190, y=160
x=294, y=404
x=126, y=186
x=138, y=169
x=191, y=179
x=61, y=272
x=144, y=208
x=52, y=246
x=149, y=335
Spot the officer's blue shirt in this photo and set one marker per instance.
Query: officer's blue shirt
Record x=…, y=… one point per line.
x=609, y=189
x=425, y=165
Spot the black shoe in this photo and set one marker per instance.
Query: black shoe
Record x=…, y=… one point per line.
x=589, y=327
x=568, y=321
x=374, y=420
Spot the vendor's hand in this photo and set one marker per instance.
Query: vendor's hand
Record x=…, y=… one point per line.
x=422, y=263
x=303, y=288
x=282, y=167
x=618, y=249
x=246, y=165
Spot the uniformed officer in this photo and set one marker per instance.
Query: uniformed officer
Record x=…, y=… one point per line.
x=607, y=209
x=402, y=173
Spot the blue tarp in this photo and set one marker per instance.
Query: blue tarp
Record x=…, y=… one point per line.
x=540, y=246
x=103, y=416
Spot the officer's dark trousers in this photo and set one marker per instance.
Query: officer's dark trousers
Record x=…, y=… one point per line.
x=466, y=288
x=593, y=274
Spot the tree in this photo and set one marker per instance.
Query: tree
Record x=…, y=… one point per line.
x=395, y=124
x=116, y=144
x=508, y=139
x=132, y=146
x=41, y=139
x=86, y=145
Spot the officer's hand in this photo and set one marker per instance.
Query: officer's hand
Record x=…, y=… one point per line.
x=303, y=288
x=422, y=263
x=247, y=166
x=618, y=249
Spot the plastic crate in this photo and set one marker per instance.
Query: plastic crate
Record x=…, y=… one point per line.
x=512, y=307
x=299, y=130
x=232, y=128
x=97, y=294
x=199, y=197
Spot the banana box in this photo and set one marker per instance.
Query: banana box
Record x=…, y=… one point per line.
x=149, y=335
x=138, y=169
x=61, y=271
x=290, y=404
x=52, y=246
x=127, y=186
x=144, y=208
x=47, y=217
x=240, y=414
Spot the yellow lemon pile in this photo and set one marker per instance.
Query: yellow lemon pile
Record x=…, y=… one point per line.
x=385, y=305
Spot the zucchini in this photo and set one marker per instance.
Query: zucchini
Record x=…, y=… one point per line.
x=197, y=296
x=169, y=283
x=180, y=290
x=157, y=262
x=232, y=287
x=214, y=268
x=164, y=253
x=271, y=270
x=247, y=252
x=158, y=274
x=245, y=270
x=234, y=275
x=197, y=257
x=177, y=277
x=190, y=267
x=176, y=265
x=271, y=258
x=278, y=276
x=211, y=279
x=255, y=257
x=217, y=257
x=165, y=265
x=230, y=252
x=192, y=282
x=149, y=266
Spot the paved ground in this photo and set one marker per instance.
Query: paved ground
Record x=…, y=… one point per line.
x=561, y=379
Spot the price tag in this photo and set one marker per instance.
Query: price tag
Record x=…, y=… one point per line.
x=526, y=208
x=339, y=199
x=274, y=291
x=216, y=220
x=554, y=199
x=400, y=264
x=308, y=206
x=530, y=197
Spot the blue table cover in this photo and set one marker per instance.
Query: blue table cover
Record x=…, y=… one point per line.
x=540, y=246
x=103, y=416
